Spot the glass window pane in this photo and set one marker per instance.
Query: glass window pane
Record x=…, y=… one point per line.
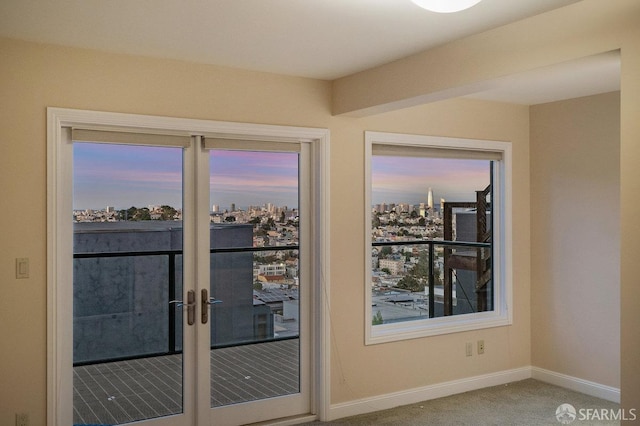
x=420, y=204
x=127, y=336
x=255, y=330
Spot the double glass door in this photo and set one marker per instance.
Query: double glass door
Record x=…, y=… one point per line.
x=190, y=280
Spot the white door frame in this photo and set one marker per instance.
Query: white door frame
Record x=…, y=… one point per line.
x=59, y=252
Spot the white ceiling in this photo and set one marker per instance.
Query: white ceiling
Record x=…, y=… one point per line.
x=323, y=39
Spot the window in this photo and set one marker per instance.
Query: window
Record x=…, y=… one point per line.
x=437, y=235
x=186, y=259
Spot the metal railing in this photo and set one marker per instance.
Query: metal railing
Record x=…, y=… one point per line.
x=172, y=342
x=431, y=244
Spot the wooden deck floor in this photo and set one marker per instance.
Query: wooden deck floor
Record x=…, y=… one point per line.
x=126, y=391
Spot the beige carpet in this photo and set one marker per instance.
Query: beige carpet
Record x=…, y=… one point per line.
x=528, y=402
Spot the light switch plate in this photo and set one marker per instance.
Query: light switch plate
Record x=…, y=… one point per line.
x=22, y=267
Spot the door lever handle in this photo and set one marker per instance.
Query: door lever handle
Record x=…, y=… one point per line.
x=191, y=306
x=205, y=302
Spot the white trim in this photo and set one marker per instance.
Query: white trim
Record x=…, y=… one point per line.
x=52, y=306
x=321, y=309
x=425, y=393
x=116, y=121
x=576, y=384
x=296, y=420
x=454, y=387
x=502, y=192
x=58, y=348
x=59, y=118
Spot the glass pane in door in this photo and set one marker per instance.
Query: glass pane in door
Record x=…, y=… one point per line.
x=127, y=270
x=255, y=311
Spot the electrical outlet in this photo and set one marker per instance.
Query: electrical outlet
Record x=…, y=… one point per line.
x=480, y=347
x=469, y=349
x=22, y=419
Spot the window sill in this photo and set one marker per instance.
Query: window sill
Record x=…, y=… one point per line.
x=434, y=327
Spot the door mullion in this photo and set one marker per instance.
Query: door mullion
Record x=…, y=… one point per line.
x=202, y=246
x=189, y=276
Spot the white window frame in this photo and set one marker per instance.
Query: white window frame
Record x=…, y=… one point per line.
x=60, y=121
x=502, y=314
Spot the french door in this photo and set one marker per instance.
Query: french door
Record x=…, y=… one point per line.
x=188, y=261
x=257, y=307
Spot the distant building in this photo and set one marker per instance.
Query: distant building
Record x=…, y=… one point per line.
x=272, y=269
x=394, y=266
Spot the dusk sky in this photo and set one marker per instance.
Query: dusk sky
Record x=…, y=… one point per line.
x=253, y=178
x=123, y=176
x=408, y=179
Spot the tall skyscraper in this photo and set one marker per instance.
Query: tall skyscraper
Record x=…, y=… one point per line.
x=430, y=200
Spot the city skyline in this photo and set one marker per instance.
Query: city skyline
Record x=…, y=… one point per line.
x=408, y=179
x=249, y=178
x=126, y=175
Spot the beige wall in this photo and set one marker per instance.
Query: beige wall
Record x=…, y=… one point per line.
x=581, y=29
x=358, y=369
x=575, y=238
x=33, y=77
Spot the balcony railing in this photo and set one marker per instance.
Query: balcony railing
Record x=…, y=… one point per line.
x=114, y=302
x=459, y=255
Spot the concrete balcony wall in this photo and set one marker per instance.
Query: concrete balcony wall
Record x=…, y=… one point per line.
x=121, y=304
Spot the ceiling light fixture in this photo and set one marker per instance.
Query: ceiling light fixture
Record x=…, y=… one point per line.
x=446, y=6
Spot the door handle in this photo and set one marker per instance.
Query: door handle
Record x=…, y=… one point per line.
x=205, y=302
x=191, y=306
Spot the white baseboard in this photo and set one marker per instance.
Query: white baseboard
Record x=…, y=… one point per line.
x=290, y=421
x=412, y=396
x=579, y=385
